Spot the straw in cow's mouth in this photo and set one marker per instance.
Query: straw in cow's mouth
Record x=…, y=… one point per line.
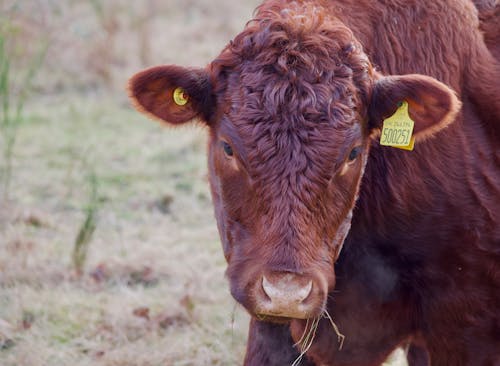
x=309, y=334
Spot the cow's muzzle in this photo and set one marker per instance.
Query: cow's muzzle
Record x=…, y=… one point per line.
x=288, y=295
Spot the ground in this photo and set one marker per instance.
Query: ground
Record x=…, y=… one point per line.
x=151, y=290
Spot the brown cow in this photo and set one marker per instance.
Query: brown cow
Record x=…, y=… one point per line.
x=272, y=344
x=295, y=106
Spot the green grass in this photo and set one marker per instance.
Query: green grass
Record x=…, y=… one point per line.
x=12, y=101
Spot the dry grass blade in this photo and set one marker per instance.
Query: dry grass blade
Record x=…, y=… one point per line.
x=340, y=336
x=309, y=334
x=299, y=342
x=307, y=340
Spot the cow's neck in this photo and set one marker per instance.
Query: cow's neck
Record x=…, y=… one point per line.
x=454, y=175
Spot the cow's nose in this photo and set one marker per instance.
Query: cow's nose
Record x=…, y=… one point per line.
x=286, y=295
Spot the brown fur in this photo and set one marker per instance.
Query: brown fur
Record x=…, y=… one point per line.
x=489, y=17
x=289, y=98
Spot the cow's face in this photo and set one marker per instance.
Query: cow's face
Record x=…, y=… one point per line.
x=286, y=155
x=292, y=105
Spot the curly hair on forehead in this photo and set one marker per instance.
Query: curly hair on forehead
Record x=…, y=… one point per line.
x=299, y=56
x=294, y=87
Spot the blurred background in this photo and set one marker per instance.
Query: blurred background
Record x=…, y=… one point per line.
x=109, y=253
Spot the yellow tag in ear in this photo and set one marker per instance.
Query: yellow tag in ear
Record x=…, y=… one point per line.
x=180, y=97
x=397, y=129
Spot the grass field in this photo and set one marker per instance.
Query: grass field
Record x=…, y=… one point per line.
x=152, y=288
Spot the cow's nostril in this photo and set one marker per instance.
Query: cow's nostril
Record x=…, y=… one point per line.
x=286, y=289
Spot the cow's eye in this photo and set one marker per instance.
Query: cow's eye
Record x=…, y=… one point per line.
x=228, y=150
x=354, y=153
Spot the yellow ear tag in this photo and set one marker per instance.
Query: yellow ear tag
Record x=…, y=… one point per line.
x=180, y=97
x=398, y=129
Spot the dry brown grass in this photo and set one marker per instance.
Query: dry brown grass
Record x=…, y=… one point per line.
x=149, y=253
x=152, y=290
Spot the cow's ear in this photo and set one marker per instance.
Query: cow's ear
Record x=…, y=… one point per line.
x=173, y=94
x=431, y=104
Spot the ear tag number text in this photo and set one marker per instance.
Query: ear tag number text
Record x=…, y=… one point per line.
x=398, y=129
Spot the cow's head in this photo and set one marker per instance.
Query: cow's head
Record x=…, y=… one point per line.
x=291, y=105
